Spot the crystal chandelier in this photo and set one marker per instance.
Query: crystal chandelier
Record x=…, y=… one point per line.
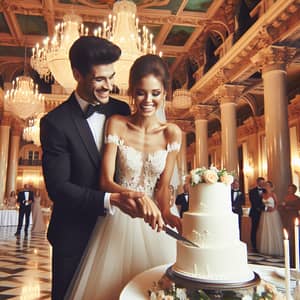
x=182, y=99
x=53, y=57
x=122, y=28
x=24, y=100
x=32, y=131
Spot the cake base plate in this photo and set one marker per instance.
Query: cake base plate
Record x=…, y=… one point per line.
x=192, y=283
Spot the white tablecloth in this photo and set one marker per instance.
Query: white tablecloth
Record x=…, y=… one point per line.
x=9, y=217
x=137, y=288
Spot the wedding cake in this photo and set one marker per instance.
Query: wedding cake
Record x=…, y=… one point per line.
x=210, y=223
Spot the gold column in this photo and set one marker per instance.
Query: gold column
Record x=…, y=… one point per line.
x=201, y=113
x=4, y=144
x=273, y=61
x=13, y=157
x=227, y=95
x=181, y=158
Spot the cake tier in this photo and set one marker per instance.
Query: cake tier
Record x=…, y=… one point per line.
x=206, y=229
x=214, y=264
x=210, y=197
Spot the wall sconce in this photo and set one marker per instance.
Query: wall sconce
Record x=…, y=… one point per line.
x=248, y=170
x=296, y=164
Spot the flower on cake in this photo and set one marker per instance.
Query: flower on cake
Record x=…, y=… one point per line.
x=211, y=175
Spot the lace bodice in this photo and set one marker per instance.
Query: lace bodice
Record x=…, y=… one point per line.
x=269, y=202
x=137, y=170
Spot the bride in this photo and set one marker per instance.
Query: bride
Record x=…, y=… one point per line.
x=270, y=224
x=139, y=155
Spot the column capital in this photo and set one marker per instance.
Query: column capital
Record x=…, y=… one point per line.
x=201, y=111
x=6, y=119
x=274, y=58
x=228, y=93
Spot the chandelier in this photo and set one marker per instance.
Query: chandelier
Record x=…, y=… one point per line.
x=31, y=133
x=122, y=28
x=24, y=100
x=182, y=99
x=53, y=57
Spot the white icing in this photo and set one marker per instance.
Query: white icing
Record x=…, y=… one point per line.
x=210, y=223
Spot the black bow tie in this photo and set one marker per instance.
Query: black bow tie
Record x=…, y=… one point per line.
x=236, y=191
x=100, y=108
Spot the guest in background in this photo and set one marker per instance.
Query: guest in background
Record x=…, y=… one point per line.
x=173, y=207
x=237, y=201
x=291, y=200
x=289, y=211
x=270, y=224
x=182, y=200
x=255, y=196
x=38, y=224
x=11, y=200
x=25, y=199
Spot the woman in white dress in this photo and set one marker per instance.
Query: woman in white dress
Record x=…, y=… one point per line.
x=38, y=224
x=139, y=150
x=270, y=224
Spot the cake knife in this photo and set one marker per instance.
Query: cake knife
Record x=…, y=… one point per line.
x=177, y=236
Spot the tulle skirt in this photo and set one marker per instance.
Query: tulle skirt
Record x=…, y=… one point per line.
x=120, y=248
x=271, y=235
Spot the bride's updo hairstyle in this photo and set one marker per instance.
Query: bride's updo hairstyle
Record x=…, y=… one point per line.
x=145, y=65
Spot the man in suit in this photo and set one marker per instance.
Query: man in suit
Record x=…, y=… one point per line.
x=237, y=201
x=257, y=206
x=71, y=138
x=182, y=200
x=24, y=199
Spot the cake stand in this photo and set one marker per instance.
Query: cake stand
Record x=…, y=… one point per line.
x=214, y=289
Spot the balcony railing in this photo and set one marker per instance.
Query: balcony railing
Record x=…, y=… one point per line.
x=30, y=162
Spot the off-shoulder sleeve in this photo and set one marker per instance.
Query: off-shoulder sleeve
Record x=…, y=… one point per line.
x=175, y=146
x=113, y=139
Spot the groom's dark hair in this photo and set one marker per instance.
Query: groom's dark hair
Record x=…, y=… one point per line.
x=88, y=51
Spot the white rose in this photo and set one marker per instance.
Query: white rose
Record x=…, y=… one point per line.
x=210, y=176
x=196, y=179
x=226, y=178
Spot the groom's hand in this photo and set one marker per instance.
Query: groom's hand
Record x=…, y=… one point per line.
x=136, y=204
x=126, y=202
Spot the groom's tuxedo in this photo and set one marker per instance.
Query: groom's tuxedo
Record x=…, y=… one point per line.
x=257, y=206
x=71, y=167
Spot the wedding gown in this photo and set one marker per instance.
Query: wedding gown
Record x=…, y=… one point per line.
x=120, y=246
x=38, y=224
x=271, y=235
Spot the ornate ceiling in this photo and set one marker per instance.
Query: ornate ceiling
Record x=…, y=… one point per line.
x=181, y=29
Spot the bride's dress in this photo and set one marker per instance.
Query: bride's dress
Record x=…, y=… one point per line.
x=120, y=246
x=270, y=230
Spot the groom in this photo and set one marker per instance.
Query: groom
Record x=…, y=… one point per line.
x=71, y=138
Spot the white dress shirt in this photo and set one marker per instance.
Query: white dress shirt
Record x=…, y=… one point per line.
x=96, y=123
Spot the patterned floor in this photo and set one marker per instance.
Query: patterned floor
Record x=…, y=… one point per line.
x=25, y=265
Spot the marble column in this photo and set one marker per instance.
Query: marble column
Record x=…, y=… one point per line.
x=273, y=61
x=4, y=146
x=181, y=158
x=13, y=157
x=227, y=95
x=201, y=113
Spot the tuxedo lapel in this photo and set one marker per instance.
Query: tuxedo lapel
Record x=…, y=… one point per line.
x=84, y=130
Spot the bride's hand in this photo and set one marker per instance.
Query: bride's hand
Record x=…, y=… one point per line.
x=172, y=220
x=151, y=213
